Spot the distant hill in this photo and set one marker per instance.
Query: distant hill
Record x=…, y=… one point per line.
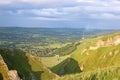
x=45, y=41
x=24, y=37
x=16, y=64
x=96, y=58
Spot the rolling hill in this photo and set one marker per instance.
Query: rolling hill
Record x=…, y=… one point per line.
x=97, y=57
x=90, y=59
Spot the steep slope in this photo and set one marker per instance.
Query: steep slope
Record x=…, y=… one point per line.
x=27, y=66
x=94, y=54
x=68, y=66
x=111, y=73
x=6, y=74
x=99, y=52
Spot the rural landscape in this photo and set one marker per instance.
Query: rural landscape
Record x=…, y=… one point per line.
x=78, y=54
x=59, y=39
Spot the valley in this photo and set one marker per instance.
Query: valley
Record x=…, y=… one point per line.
x=59, y=39
x=94, y=55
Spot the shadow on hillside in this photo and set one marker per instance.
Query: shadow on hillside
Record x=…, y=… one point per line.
x=38, y=74
x=1, y=77
x=68, y=66
x=17, y=60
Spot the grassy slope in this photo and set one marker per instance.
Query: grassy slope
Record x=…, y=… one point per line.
x=97, y=59
x=52, y=61
x=111, y=73
x=69, y=67
x=26, y=64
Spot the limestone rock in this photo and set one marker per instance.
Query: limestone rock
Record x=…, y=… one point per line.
x=13, y=75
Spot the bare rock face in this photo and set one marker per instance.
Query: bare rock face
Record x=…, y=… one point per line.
x=116, y=40
x=110, y=41
x=12, y=74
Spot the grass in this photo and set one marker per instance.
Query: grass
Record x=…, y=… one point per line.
x=52, y=61
x=111, y=73
x=69, y=48
x=25, y=64
x=68, y=66
x=92, y=59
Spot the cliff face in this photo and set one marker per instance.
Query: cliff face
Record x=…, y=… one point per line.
x=7, y=74
x=115, y=40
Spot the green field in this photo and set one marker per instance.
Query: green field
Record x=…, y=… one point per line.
x=52, y=61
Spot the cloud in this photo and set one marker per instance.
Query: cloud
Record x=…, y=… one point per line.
x=86, y=1
x=5, y=1
x=105, y=16
x=85, y=11
x=47, y=19
x=47, y=12
x=40, y=2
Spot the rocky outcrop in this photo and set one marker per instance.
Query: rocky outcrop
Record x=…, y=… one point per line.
x=3, y=66
x=7, y=74
x=110, y=41
x=13, y=75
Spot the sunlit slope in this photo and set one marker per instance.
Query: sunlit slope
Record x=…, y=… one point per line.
x=99, y=52
x=94, y=54
x=3, y=69
x=27, y=66
x=52, y=61
x=111, y=73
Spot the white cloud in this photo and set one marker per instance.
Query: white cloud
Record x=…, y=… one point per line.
x=86, y=0
x=38, y=1
x=42, y=12
x=48, y=12
x=105, y=16
x=92, y=9
x=103, y=3
x=42, y=2
x=5, y=1
x=47, y=19
x=102, y=9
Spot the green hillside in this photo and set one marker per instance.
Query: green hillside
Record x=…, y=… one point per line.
x=93, y=55
x=111, y=73
x=98, y=53
x=27, y=66
x=68, y=66
x=89, y=59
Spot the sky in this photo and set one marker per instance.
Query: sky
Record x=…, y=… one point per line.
x=90, y=14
